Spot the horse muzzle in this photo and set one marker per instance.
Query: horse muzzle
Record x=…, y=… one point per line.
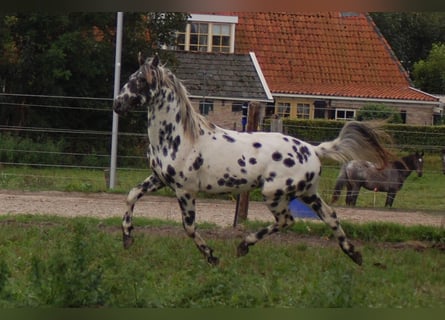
x=117, y=106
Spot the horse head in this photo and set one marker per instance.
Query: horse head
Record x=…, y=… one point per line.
x=140, y=88
x=418, y=163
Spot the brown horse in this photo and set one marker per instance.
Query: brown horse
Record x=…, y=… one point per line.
x=358, y=173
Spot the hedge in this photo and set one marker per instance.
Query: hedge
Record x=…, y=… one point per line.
x=405, y=137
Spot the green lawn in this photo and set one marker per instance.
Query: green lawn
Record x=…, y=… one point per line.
x=79, y=262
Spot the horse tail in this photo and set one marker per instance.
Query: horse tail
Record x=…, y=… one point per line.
x=356, y=141
x=339, y=184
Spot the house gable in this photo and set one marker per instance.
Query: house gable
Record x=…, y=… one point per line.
x=222, y=76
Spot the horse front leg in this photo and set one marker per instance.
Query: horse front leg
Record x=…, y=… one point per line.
x=353, y=196
x=188, y=209
x=328, y=215
x=151, y=184
x=390, y=196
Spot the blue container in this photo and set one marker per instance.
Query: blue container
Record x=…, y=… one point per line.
x=299, y=209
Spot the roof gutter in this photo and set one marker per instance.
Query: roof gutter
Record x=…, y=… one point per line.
x=229, y=98
x=321, y=97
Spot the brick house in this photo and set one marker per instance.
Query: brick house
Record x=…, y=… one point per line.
x=219, y=84
x=315, y=66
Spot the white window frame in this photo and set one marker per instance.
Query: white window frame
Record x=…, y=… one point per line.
x=346, y=113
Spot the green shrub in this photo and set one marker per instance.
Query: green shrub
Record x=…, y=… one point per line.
x=378, y=111
x=405, y=137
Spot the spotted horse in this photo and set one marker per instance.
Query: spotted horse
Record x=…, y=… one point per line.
x=189, y=154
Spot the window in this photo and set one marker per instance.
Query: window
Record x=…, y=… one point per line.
x=283, y=109
x=344, y=114
x=208, y=33
x=220, y=38
x=403, y=115
x=303, y=111
x=199, y=36
x=237, y=106
x=205, y=106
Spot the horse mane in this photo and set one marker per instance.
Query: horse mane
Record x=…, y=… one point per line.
x=408, y=161
x=400, y=165
x=191, y=120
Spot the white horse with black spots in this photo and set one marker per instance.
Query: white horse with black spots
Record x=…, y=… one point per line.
x=189, y=154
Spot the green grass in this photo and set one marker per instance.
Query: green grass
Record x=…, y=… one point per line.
x=62, y=262
x=424, y=193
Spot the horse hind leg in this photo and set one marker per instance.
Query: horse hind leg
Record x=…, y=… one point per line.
x=150, y=184
x=279, y=206
x=390, y=196
x=188, y=210
x=328, y=215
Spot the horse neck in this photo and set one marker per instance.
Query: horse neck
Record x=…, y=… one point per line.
x=408, y=165
x=172, y=110
x=409, y=162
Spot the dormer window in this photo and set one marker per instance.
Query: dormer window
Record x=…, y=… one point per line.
x=208, y=33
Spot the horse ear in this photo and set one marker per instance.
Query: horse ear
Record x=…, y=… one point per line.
x=155, y=60
x=141, y=58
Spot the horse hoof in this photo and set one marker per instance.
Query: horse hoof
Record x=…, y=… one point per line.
x=243, y=249
x=357, y=258
x=214, y=261
x=128, y=241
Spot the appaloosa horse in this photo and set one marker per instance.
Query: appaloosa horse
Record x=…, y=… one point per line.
x=189, y=154
x=358, y=173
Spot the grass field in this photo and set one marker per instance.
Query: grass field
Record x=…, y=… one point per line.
x=424, y=193
x=80, y=262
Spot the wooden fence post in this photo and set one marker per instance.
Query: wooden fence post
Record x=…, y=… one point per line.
x=276, y=125
x=242, y=200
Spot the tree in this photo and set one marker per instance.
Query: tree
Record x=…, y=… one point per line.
x=429, y=74
x=411, y=34
x=73, y=54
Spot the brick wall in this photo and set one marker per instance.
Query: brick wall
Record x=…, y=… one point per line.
x=222, y=114
x=416, y=114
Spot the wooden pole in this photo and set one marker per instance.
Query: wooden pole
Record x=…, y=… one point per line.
x=242, y=201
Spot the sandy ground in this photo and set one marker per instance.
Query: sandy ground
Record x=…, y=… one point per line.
x=220, y=212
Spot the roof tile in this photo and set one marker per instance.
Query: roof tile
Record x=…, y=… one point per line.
x=324, y=54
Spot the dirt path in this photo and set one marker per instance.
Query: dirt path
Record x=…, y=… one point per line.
x=220, y=212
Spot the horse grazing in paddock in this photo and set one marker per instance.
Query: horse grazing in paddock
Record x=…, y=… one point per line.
x=358, y=173
x=185, y=154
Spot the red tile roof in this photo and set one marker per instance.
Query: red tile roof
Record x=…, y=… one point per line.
x=324, y=54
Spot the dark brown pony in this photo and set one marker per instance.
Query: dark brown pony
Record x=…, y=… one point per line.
x=358, y=173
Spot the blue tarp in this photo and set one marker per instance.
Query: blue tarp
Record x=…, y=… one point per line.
x=299, y=209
